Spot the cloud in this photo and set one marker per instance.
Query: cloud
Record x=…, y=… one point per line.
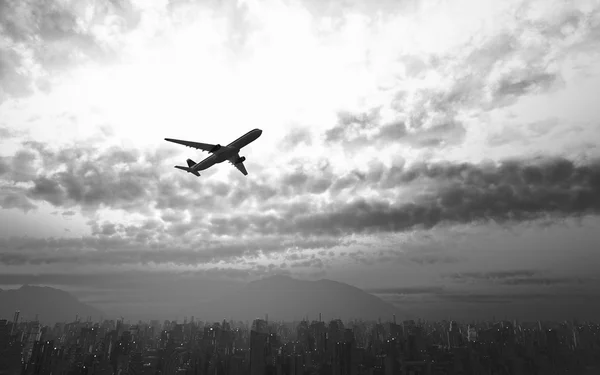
x=544, y=281
x=408, y=290
x=495, y=275
x=309, y=263
x=296, y=137
x=41, y=38
x=490, y=70
x=427, y=259
x=499, y=298
x=445, y=294
x=515, y=278
x=12, y=197
x=513, y=190
x=437, y=294
x=422, y=256
x=82, y=175
x=152, y=243
x=423, y=128
x=463, y=193
x=6, y=132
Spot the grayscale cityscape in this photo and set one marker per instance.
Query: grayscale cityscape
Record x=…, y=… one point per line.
x=385, y=347
x=299, y=187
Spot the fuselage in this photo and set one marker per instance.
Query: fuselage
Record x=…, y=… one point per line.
x=227, y=152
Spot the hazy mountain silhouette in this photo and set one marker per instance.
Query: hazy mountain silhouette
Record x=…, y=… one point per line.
x=52, y=305
x=285, y=298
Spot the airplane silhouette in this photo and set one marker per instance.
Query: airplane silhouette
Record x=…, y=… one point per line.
x=218, y=153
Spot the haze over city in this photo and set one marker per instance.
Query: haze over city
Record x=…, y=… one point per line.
x=439, y=155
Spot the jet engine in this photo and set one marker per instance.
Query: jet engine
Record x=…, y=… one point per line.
x=216, y=148
x=240, y=160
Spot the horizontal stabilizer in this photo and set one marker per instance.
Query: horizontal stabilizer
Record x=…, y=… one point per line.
x=188, y=170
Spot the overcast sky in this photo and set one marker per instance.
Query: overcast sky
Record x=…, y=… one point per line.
x=441, y=154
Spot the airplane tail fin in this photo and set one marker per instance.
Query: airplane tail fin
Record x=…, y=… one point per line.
x=188, y=170
x=190, y=163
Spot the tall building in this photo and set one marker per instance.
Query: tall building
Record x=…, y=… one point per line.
x=303, y=336
x=15, y=322
x=258, y=348
x=33, y=335
x=136, y=365
x=4, y=334
x=454, y=336
x=260, y=325
x=342, y=359
x=472, y=334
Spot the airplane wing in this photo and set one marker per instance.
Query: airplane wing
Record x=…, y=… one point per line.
x=239, y=166
x=200, y=146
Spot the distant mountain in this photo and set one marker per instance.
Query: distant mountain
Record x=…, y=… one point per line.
x=285, y=298
x=52, y=305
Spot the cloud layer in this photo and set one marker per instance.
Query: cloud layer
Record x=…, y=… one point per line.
x=273, y=212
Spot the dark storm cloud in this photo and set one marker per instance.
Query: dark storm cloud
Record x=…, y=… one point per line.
x=460, y=193
x=50, y=32
x=22, y=165
x=514, y=190
x=11, y=197
x=48, y=190
x=455, y=193
x=85, y=176
x=4, y=168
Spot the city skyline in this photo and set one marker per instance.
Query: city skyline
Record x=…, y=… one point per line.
x=439, y=155
x=266, y=347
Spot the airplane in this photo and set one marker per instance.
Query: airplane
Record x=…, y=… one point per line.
x=218, y=153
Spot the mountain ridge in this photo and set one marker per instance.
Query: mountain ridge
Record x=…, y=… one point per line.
x=51, y=305
x=285, y=298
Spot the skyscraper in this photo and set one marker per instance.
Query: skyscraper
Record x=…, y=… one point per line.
x=258, y=347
